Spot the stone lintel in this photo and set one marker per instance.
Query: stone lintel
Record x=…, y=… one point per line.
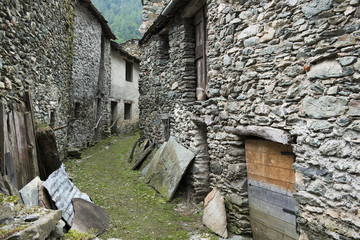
x=268, y=133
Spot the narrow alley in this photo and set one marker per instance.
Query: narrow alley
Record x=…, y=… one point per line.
x=136, y=210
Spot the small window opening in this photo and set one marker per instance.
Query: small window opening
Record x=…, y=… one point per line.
x=129, y=71
x=52, y=119
x=164, y=46
x=77, y=110
x=127, y=111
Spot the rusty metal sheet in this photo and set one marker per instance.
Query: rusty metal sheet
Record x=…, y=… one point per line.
x=62, y=191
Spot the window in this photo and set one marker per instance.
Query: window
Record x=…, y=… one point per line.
x=77, y=110
x=127, y=111
x=163, y=47
x=113, y=111
x=52, y=118
x=128, y=72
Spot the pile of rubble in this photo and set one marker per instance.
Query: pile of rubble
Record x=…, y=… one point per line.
x=47, y=210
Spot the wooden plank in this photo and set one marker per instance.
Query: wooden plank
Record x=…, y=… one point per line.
x=269, y=186
x=29, y=107
x=285, y=185
x=266, y=163
x=271, y=159
x=265, y=146
x=271, y=223
x=273, y=197
x=32, y=153
x=199, y=52
x=263, y=232
x=23, y=168
x=272, y=210
x=3, y=134
x=12, y=155
x=281, y=174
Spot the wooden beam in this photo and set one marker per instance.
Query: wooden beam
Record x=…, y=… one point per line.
x=268, y=133
x=192, y=8
x=3, y=133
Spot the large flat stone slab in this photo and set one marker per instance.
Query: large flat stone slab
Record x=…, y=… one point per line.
x=62, y=191
x=214, y=213
x=30, y=193
x=324, y=107
x=89, y=216
x=168, y=168
x=153, y=163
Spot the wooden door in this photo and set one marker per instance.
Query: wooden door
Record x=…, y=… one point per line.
x=271, y=179
x=200, y=54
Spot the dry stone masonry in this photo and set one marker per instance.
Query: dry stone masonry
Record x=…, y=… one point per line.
x=289, y=65
x=60, y=51
x=91, y=78
x=34, y=55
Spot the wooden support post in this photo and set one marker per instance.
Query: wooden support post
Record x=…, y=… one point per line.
x=3, y=135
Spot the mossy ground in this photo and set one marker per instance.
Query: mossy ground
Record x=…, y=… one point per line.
x=136, y=210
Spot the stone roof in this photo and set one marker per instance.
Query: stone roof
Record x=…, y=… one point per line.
x=118, y=48
x=163, y=19
x=107, y=31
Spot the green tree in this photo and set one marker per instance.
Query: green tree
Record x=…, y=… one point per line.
x=123, y=16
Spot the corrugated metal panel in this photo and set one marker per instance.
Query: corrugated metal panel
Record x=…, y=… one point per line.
x=62, y=191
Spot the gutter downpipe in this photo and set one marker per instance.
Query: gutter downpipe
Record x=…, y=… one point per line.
x=169, y=7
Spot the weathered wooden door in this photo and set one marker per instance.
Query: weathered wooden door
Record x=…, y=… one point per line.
x=200, y=54
x=271, y=179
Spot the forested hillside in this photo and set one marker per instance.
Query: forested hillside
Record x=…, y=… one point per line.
x=124, y=17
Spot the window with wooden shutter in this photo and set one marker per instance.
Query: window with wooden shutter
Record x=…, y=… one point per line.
x=200, y=54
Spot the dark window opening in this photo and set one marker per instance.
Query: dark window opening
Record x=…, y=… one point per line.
x=114, y=116
x=77, y=110
x=129, y=71
x=52, y=119
x=127, y=111
x=113, y=111
x=163, y=46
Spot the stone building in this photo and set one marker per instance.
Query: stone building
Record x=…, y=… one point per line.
x=61, y=53
x=132, y=47
x=266, y=93
x=35, y=56
x=91, y=76
x=124, y=93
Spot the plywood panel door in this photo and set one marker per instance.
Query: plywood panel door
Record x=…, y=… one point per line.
x=271, y=179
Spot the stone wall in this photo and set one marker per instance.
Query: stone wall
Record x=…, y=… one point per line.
x=90, y=85
x=35, y=56
x=132, y=47
x=151, y=10
x=290, y=65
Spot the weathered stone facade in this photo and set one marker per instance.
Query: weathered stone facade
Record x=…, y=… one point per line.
x=61, y=53
x=291, y=65
x=35, y=56
x=132, y=47
x=90, y=85
x=151, y=10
